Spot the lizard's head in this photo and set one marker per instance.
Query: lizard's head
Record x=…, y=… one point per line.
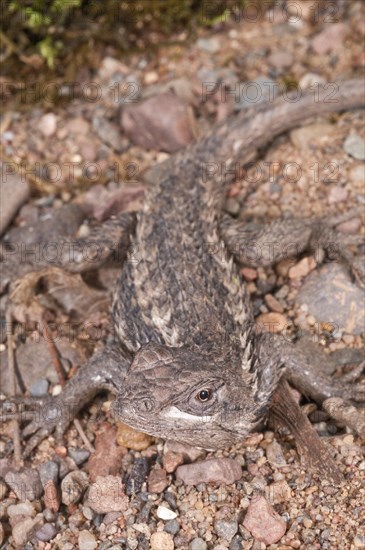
x=181, y=394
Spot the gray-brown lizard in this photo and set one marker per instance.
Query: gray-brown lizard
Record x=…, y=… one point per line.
x=188, y=364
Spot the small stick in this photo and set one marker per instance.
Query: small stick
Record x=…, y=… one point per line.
x=12, y=379
x=54, y=355
x=83, y=436
x=313, y=451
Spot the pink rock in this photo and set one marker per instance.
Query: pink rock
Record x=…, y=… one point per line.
x=103, y=203
x=337, y=194
x=106, y=494
x=171, y=461
x=350, y=227
x=157, y=481
x=263, y=522
x=302, y=268
x=249, y=273
x=281, y=59
x=216, y=470
x=78, y=126
x=47, y=124
x=163, y=122
x=189, y=453
x=330, y=39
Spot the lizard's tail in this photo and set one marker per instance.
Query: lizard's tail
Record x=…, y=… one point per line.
x=236, y=139
x=247, y=132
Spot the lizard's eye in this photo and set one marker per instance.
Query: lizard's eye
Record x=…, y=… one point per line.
x=204, y=395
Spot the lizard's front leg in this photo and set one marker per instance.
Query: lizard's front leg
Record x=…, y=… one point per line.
x=105, y=370
x=255, y=244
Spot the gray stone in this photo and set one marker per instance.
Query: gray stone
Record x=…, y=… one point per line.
x=46, y=532
x=79, y=455
x=172, y=526
x=198, y=544
x=331, y=296
x=73, y=487
x=25, y=483
x=39, y=387
x=87, y=541
x=48, y=471
x=355, y=146
x=210, y=45
x=216, y=470
x=226, y=529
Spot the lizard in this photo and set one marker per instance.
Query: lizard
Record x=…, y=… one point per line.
x=187, y=363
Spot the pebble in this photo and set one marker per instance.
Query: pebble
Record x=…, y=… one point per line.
x=337, y=194
x=357, y=174
x=263, y=522
x=210, y=45
x=110, y=66
x=161, y=541
x=359, y=541
x=39, y=388
x=226, y=529
x=22, y=509
x=275, y=455
x=354, y=146
x=78, y=126
x=48, y=471
x=198, y=544
x=281, y=59
x=46, y=532
x=78, y=455
x=172, y=526
x=189, y=453
x=22, y=530
x=165, y=513
x=87, y=541
x=302, y=268
x=171, y=461
x=107, y=458
x=106, y=494
x=310, y=79
x=157, y=481
x=273, y=303
x=330, y=39
x=271, y=322
x=150, y=78
x=47, y=124
x=73, y=487
x=350, y=227
x=109, y=133
x=278, y=492
x=216, y=470
x=25, y=483
x=137, y=475
x=163, y=122
x=249, y=273
x=329, y=293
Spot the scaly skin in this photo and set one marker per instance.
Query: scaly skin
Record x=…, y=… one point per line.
x=191, y=368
